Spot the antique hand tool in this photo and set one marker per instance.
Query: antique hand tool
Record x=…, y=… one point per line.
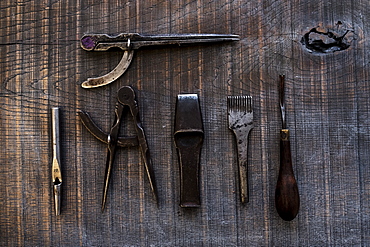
x=188, y=139
x=240, y=111
x=128, y=42
x=286, y=193
x=56, y=170
x=125, y=101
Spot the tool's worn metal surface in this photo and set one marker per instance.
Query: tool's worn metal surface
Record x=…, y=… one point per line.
x=128, y=42
x=126, y=103
x=56, y=164
x=328, y=112
x=240, y=114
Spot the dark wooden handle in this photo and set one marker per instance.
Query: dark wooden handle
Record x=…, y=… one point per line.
x=286, y=193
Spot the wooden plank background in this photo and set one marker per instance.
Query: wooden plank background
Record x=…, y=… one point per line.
x=42, y=66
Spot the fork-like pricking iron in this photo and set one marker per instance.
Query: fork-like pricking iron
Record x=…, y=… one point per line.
x=240, y=113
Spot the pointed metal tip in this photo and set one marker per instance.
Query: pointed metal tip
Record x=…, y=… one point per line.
x=235, y=37
x=102, y=206
x=57, y=198
x=156, y=198
x=226, y=36
x=244, y=199
x=103, y=203
x=229, y=37
x=153, y=188
x=57, y=207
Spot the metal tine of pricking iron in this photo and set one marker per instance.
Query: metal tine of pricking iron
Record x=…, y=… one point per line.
x=240, y=111
x=240, y=103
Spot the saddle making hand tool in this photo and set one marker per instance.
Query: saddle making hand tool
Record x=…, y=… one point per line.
x=125, y=101
x=128, y=42
x=188, y=136
x=286, y=193
x=56, y=171
x=240, y=111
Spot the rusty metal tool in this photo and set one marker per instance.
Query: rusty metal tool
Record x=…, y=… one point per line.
x=56, y=168
x=188, y=137
x=125, y=102
x=128, y=42
x=286, y=194
x=240, y=112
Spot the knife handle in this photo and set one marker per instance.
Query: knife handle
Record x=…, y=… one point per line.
x=286, y=193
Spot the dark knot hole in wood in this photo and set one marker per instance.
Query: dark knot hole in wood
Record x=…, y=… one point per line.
x=317, y=41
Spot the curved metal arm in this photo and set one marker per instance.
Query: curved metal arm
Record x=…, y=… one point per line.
x=113, y=75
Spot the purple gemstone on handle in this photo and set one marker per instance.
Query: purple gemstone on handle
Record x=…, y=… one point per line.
x=88, y=42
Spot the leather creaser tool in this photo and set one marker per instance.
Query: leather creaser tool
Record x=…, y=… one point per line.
x=188, y=137
x=125, y=102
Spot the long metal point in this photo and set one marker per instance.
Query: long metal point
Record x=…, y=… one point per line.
x=105, y=191
x=154, y=188
x=110, y=159
x=104, y=199
x=57, y=197
x=103, y=202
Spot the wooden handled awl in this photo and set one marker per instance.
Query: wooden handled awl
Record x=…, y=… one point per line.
x=286, y=193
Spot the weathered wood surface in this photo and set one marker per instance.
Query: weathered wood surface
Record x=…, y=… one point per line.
x=42, y=66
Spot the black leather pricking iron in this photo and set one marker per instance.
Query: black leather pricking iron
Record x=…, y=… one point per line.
x=125, y=102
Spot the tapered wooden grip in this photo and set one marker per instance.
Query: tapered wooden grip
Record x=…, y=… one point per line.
x=286, y=193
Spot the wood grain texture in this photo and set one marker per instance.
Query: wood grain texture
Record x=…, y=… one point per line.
x=42, y=66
